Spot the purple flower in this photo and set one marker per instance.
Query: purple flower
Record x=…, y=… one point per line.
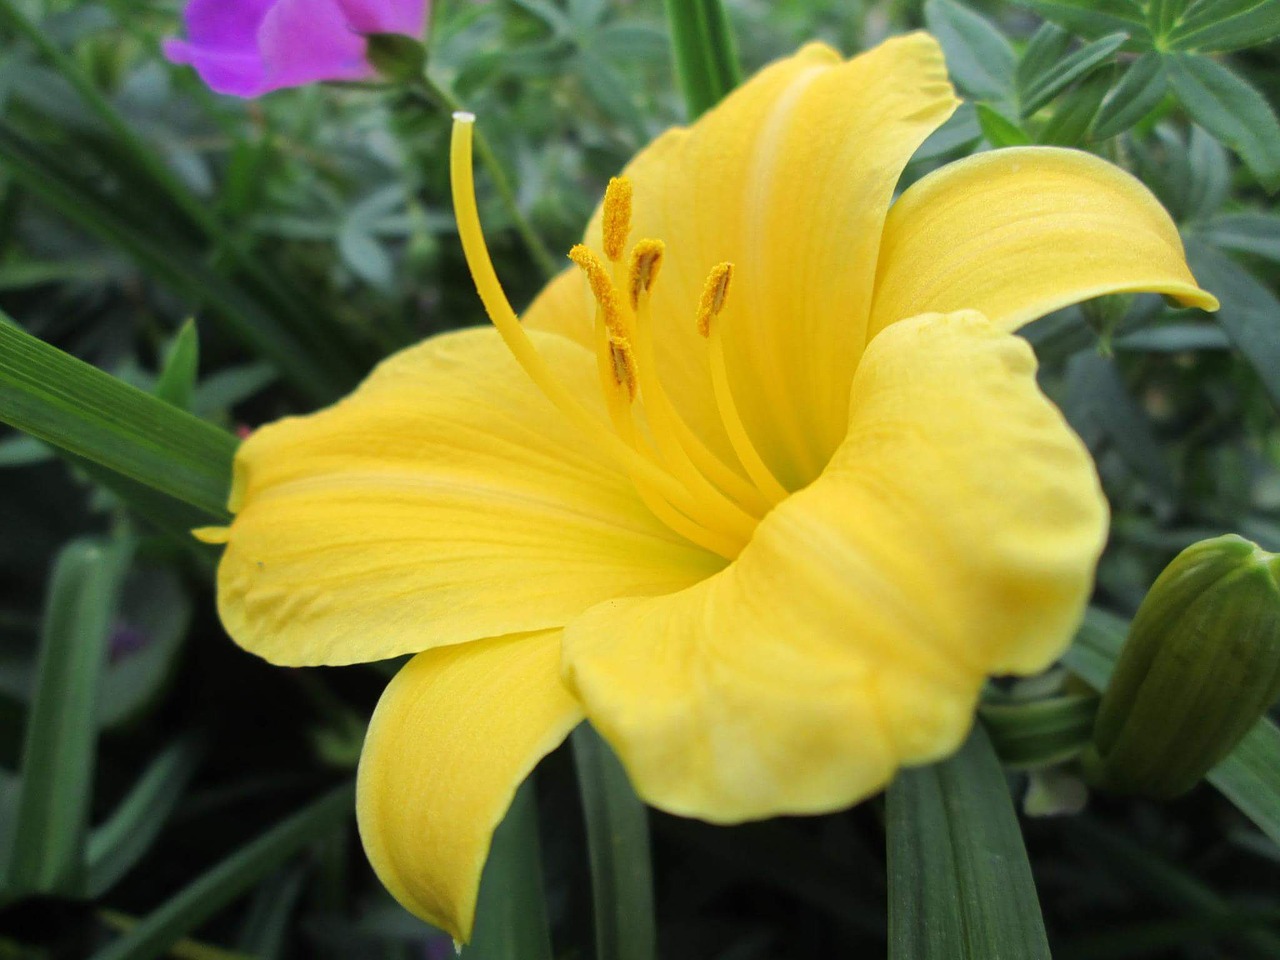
x=251, y=47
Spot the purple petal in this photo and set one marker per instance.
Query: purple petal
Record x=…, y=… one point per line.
x=240, y=75
x=387, y=16
x=229, y=25
x=305, y=41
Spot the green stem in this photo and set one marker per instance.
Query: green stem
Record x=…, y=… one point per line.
x=442, y=98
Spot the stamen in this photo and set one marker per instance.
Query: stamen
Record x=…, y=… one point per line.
x=646, y=261
x=602, y=289
x=616, y=224
x=714, y=296
x=624, y=365
x=650, y=479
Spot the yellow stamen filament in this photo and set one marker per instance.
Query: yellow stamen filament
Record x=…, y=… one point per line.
x=714, y=297
x=616, y=225
x=656, y=485
x=683, y=450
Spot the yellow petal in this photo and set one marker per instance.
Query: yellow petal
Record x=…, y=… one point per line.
x=953, y=536
x=565, y=306
x=445, y=501
x=454, y=735
x=1018, y=233
x=790, y=179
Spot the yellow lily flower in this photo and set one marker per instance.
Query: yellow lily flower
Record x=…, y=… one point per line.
x=765, y=494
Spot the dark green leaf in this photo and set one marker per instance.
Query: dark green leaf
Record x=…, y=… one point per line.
x=1045, y=49
x=180, y=367
x=62, y=731
x=979, y=58
x=1139, y=91
x=1040, y=732
x=1095, y=18
x=1075, y=67
x=1230, y=109
x=960, y=886
x=999, y=130
x=511, y=915
x=1069, y=125
x=1213, y=26
x=618, y=844
x=1248, y=314
x=156, y=933
x=116, y=846
x=1254, y=232
x=1210, y=175
x=706, y=55
x=86, y=412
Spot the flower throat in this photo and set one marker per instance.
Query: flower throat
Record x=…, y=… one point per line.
x=685, y=484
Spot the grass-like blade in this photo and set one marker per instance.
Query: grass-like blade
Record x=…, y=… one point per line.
x=1249, y=777
x=154, y=935
x=62, y=730
x=1040, y=732
x=116, y=846
x=80, y=409
x=960, y=886
x=511, y=915
x=706, y=55
x=618, y=844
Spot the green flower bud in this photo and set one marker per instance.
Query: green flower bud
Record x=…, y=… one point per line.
x=1201, y=665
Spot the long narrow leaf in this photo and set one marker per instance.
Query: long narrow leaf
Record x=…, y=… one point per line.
x=84, y=411
x=618, y=842
x=511, y=916
x=705, y=53
x=62, y=732
x=960, y=886
x=211, y=891
x=116, y=846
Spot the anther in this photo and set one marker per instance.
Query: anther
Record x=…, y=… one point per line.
x=624, y=364
x=714, y=295
x=617, y=217
x=602, y=289
x=646, y=261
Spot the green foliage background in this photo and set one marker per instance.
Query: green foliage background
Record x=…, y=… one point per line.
x=155, y=779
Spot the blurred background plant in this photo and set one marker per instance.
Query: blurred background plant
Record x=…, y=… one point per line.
x=163, y=793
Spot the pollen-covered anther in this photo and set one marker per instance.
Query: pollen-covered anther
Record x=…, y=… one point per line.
x=646, y=261
x=602, y=289
x=624, y=364
x=616, y=224
x=714, y=295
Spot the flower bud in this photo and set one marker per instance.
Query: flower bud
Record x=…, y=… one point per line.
x=1201, y=665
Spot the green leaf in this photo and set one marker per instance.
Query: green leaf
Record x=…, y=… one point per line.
x=1210, y=175
x=194, y=904
x=1072, y=117
x=62, y=731
x=1249, y=777
x=86, y=412
x=180, y=367
x=1216, y=26
x=618, y=844
x=1230, y=109
x=1248, y=314
x=1075, y=67
x=1254, y=232
x=979, y=58
x=117, y=846
x=1139, y=91
x=1045, y=49
x=511, y=915
x=1040, y=732
x=999, y=130
x=706, y=56
x=1095, y=18
x=960, y=886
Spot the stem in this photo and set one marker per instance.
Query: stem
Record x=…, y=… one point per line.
x=440, y=97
